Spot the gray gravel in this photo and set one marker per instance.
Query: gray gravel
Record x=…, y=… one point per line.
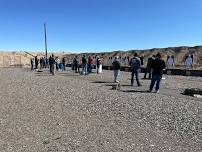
x=70, y=112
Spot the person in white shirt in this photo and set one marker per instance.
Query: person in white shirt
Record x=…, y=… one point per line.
x=189, y=61
x=170, y=62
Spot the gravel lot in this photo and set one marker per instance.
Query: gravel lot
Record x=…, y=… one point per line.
x=75, y=113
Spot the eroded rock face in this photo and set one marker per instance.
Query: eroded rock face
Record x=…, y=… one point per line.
x=192, y=91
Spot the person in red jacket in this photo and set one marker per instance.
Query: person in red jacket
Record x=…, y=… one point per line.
x=90, y=64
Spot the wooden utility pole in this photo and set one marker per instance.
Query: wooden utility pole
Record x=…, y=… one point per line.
x=45, y=34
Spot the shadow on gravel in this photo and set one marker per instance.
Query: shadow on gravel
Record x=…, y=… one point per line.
x=126, y=85
x=131, y=91
x=65, y=74
x=101, y=82
x=43, y=74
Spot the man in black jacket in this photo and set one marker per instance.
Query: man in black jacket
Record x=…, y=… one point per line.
x=157, y=71
x=135, y=64
x=116, y=67
x=52, y=64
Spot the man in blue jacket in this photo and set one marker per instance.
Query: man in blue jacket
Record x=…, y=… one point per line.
x=135, y=68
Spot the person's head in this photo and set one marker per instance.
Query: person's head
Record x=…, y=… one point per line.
x=52, y=55
x=135, y=54
x=158, y=55
x=84, y=56
x=116, y=57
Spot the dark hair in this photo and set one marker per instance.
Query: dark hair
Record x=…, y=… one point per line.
x=135, y=54
x=158, y=55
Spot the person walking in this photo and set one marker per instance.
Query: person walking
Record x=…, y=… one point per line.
x=157, y=72
x=135, y=68
x=116, y=67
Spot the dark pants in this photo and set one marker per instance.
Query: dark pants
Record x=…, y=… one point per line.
x=136, y=73
x=89, y=68
x=155, y=79
x=148, y=71
x=64, y=66
x=98, y=66
x=52, y=69
x=76, y=66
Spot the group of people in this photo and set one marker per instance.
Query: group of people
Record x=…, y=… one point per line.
x=35, y=62
x=87, y=64
x=53, y=63
x=157, y=65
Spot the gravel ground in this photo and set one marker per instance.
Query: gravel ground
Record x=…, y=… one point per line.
x=70, y=112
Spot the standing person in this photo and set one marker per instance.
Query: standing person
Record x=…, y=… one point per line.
x=52, y=64
x=170, y=61
x=90, y=62
x=36, y=62
x=41, y=63
x=98, y=64
x=157, y=66
x=189, y=61
x=84, y=65
x=76, y=64
x=32, y=63
x=44, y=62
x=64, y=63
x=116, y=67
x=148, y=67
x=135, y=68
x=57, y=60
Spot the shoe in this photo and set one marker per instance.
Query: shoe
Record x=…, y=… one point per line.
x=157, y=91
x=149, y=90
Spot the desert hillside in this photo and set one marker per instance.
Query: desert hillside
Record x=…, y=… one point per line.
x=179, y=53
x=22, y=58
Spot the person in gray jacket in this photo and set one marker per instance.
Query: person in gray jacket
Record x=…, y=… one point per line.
x=135, y=69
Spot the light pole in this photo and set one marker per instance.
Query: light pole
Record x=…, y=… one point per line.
x=45, y=40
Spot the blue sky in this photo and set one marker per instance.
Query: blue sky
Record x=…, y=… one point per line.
x=99, y=25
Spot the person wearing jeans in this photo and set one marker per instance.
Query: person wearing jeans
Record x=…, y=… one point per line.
x=155, y=79
x=135, y=69
x=157, y=66
x=136, y=73
x=116, y=66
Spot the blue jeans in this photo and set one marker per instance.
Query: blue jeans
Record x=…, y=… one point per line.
x=116, y=75
x=89, y=68
x=136, y=73
x=84, y=68
x=155, y=79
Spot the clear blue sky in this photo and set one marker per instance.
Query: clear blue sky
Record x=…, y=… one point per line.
x=99, y=25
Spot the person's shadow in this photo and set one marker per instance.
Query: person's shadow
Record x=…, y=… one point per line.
x=131, y=91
